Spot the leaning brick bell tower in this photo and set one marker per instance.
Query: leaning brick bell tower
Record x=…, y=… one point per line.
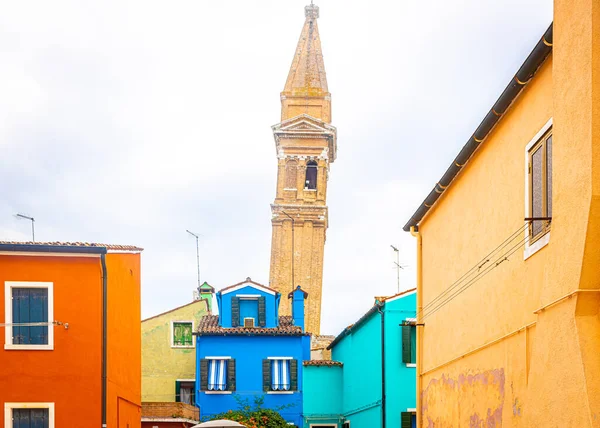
x=305, y=144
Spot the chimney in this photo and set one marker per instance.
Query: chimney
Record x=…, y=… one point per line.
x=298, y=296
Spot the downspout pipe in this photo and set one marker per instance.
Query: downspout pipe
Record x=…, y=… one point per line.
x=104, y=335
x=383, y=410
x=414, y=232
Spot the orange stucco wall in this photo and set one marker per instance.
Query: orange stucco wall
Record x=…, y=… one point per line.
x=489, y=358
x=70, y=375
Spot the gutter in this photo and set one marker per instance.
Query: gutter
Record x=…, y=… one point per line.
x=419, y=322
x=383, y=415
x=42, y=248
x=104, y=335
x=531, y=65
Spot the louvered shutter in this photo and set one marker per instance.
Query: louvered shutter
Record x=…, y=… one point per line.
x=406, y=420
x=235, y=311
x=406, y=349
x=262, y=311
x=177, y=391
x=266, y=369
x=204, y=375
x=230, y=375
x=293, y=375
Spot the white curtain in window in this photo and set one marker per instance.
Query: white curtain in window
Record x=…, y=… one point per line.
x=217, y=372
x=280, y=375
x=185, y=395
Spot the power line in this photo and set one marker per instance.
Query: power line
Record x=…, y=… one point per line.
x=504, y=257
x=476, y=268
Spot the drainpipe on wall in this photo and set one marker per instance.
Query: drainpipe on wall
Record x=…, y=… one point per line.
x=104, y=334
x=382, y=365
x=414, y=232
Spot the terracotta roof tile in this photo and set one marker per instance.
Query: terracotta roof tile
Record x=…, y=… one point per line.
x=326, y=363
x=209, y=326
x=110, y=247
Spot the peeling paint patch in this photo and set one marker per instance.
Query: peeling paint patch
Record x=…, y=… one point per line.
x=475, y=400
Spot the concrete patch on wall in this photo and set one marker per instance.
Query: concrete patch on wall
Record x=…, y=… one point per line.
x=473, y=400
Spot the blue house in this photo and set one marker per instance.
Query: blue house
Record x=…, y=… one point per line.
x=248, y=351
x=372, y=375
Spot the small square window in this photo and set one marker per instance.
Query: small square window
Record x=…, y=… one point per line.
x=184, y=392
x=182, y=334
x=29, y=315
x=28, y=415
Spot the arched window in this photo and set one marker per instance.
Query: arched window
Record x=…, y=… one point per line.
x=311, y=176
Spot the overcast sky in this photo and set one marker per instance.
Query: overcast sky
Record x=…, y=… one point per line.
x=129, y=122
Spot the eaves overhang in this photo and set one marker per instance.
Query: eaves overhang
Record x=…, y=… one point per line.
x=523, y=76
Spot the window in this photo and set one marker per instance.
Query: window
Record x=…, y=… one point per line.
x=29, y=315
x=311, y=176
x=409, y=345
x=248, y=306
x=408, y=420
x=182, y=334
x=185, y=391
x=217, y=374
x=29, y=415
x=540, y=186
x=280, y=374
x=346, y=424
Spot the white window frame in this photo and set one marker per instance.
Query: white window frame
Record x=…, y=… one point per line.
x=193, y=345
x=8, y=331
x=8, y=408
x=541, y=242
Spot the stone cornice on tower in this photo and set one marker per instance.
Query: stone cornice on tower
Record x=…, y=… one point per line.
x=306, y=127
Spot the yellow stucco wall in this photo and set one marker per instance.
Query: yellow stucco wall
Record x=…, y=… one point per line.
x=163, y=364
x=489, y=360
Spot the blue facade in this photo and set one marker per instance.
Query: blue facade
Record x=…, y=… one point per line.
x=262, y=362
x=359, y=349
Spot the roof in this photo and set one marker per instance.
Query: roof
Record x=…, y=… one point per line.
x=307, y=73
x=209, y=326
x=207, y=286
x=231, y=288
x=177, y=308
x=323, y=363
x=48, y=246
x=378, y=304
x=523, y=76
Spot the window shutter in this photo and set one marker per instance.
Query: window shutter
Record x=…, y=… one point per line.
x=235, y=311
x=266, y=369
x=230, y=375
x=262, y=311
x=406, y=420
x=204, y=375
x=406, y=351
x=293, y=375
x=177, y=391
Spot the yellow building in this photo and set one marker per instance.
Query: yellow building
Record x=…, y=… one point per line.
x=508, y=307
x=305, y=144
x=169, y=353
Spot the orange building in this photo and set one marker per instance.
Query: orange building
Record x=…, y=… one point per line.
x=70, y=323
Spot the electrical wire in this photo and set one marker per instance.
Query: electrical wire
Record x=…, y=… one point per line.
x=476, y=268
x=504, y=257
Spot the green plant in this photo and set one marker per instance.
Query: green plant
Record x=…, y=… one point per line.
x=253, y=415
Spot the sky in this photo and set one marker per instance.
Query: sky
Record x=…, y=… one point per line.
x=130, y=122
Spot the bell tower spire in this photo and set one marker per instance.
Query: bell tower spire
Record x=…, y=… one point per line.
x=306, y=145
x=306, y=89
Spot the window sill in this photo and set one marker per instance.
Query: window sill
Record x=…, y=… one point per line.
x=182, y=346
x=310, y=190
x=411, y=365
x=280, y=392
x=217, y=392
x=530, y=250
x=11, y=347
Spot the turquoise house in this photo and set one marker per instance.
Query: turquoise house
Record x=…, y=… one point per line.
x=371, y=380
